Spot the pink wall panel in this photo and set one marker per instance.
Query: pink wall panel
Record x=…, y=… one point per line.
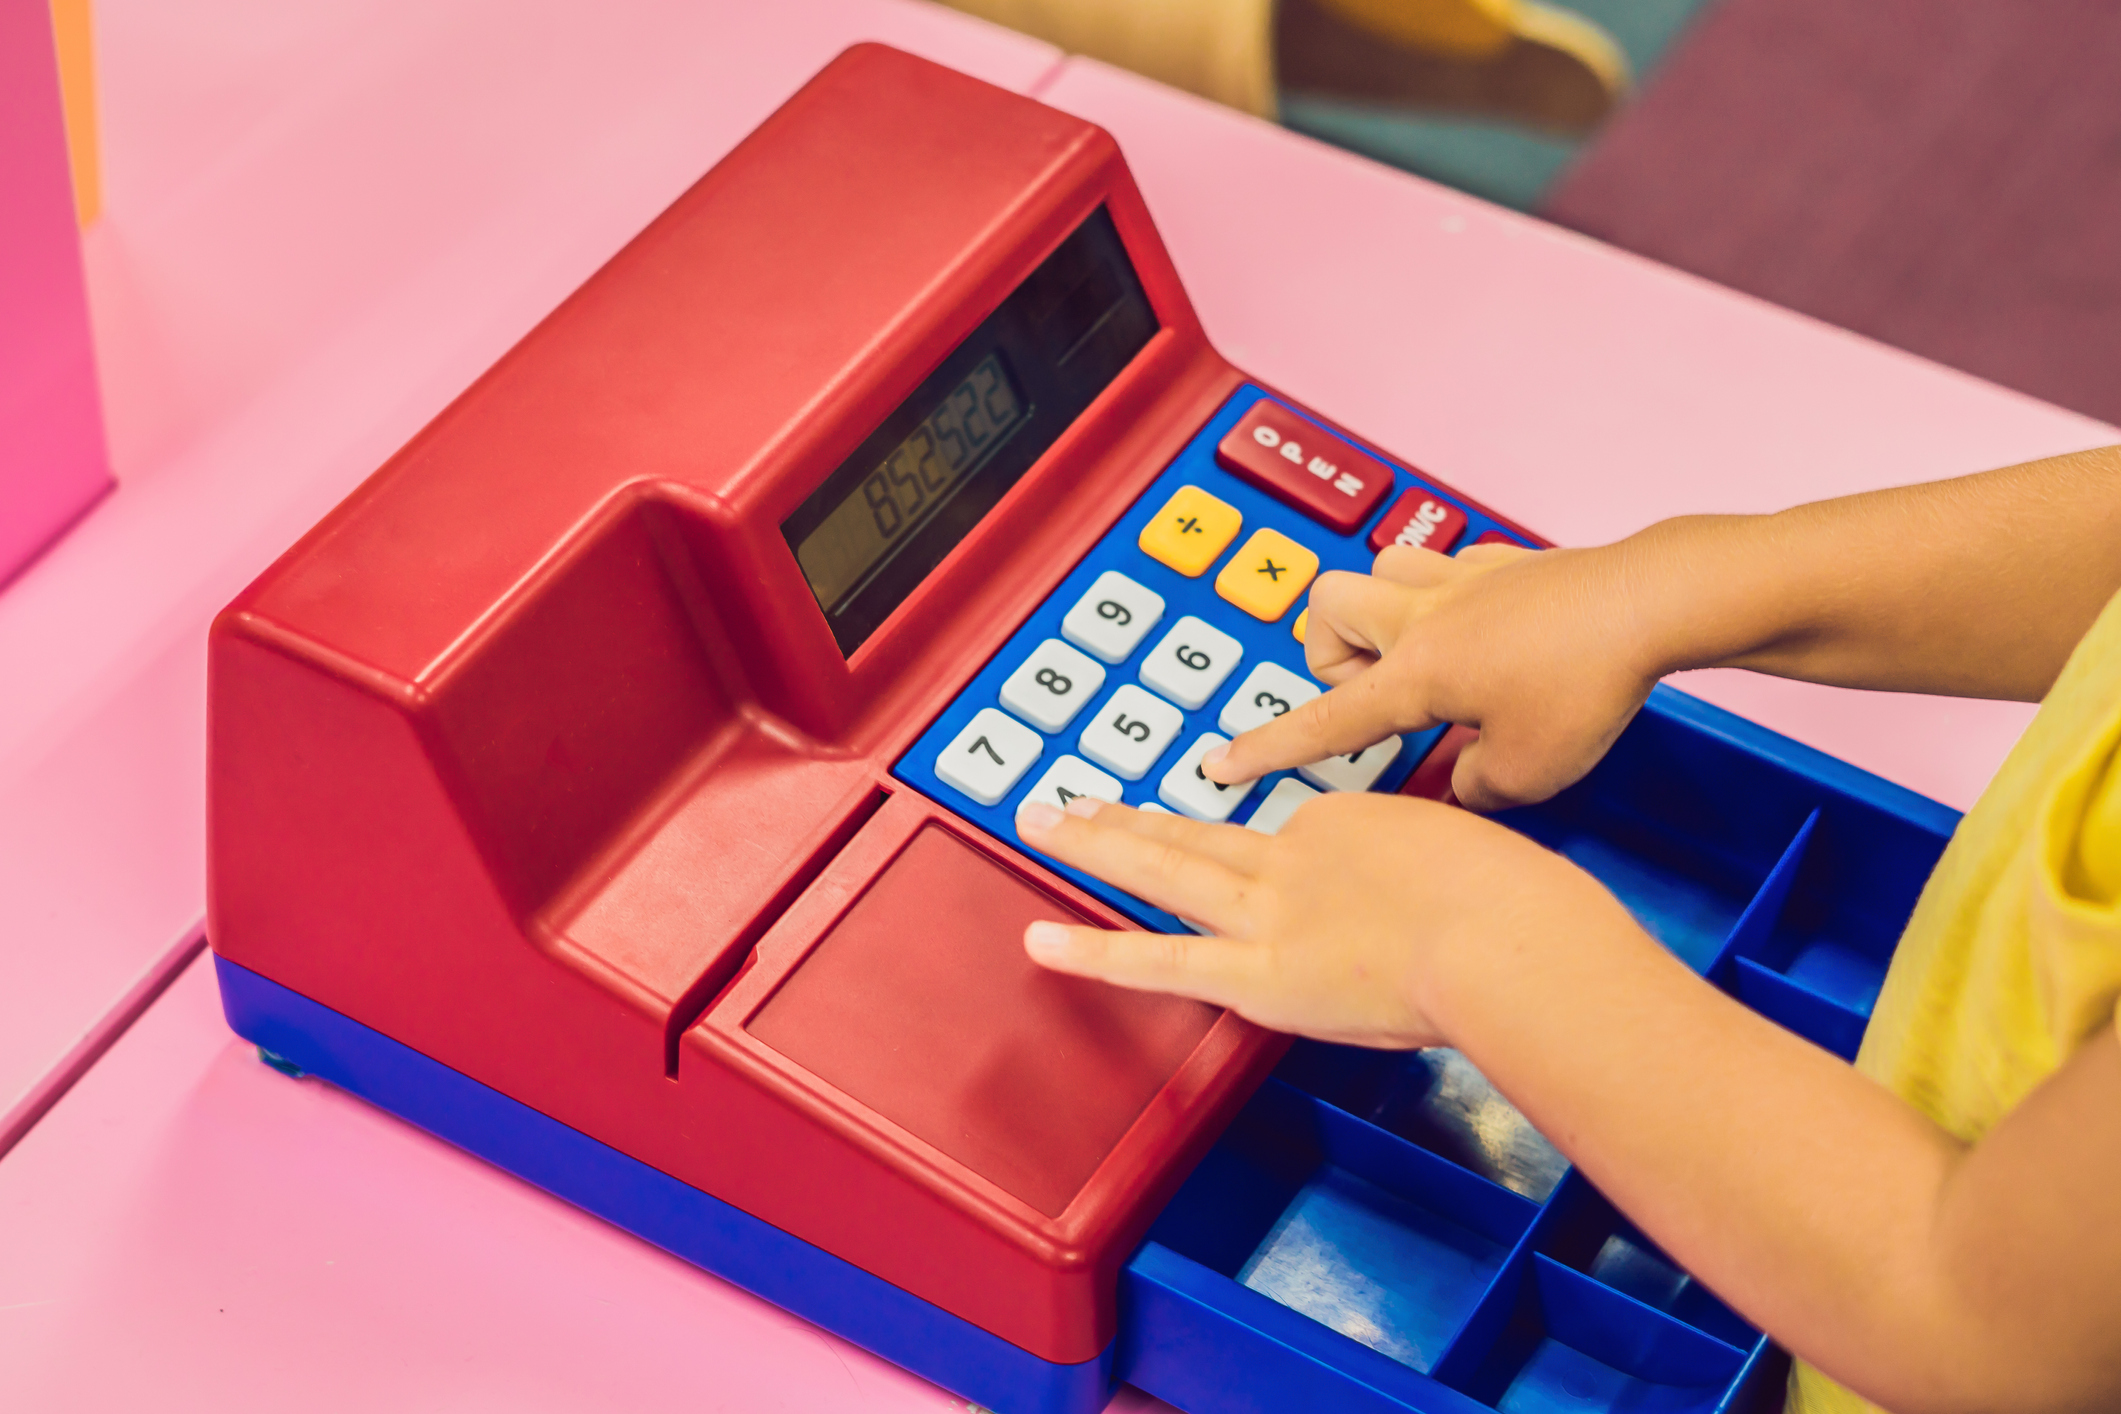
x=52, y=464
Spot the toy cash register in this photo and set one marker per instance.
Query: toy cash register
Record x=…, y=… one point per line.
x=621, y=784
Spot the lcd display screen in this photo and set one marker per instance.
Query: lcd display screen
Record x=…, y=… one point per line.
x=913, y=481
x=941, y=460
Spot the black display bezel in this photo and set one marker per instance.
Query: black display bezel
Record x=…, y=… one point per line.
x=1063, y=335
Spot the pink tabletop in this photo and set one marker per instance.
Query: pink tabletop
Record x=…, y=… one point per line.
x=189, y=1230
x=186, y=1226
x=322, y=221
x=1576, y=388
x=52, y=463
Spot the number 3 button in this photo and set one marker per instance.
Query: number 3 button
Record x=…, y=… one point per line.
x=1267, y=692
x=1191, y=662
x=1052, y=685
x=1133, y=730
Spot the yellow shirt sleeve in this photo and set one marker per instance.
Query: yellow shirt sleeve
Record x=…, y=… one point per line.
x=2095, y=864
x=2092, y=873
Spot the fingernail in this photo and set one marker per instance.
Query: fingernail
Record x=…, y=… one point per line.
x=1037, y=817
x=1084, y=806
x=1047, y=939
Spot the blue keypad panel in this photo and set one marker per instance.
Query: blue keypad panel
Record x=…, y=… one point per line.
x=1130, y=670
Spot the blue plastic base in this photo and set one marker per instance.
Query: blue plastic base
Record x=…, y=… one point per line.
x=675, y=1216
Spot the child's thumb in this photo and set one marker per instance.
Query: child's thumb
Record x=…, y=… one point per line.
x=1490, y=776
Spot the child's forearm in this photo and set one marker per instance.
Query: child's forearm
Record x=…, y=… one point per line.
x=1929, y=1276
x=1975, y=587
x=1978, y=586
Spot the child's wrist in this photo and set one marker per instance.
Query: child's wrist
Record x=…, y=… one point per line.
x=1695, y=592
x=1523, y=906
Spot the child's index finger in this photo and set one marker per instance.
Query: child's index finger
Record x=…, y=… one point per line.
x=1219, y=971
x=1359, y=713
x=1186, y=867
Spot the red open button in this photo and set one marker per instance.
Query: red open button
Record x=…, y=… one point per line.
x=1303, y=464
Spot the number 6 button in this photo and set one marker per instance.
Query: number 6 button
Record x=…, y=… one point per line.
x=1131, y=732
x=1052, y=685
x=1191, y=662
x=989, y=756
x=1110, y=621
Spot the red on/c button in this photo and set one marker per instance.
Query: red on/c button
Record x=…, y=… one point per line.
x=1420, y=519
x=1304, y=465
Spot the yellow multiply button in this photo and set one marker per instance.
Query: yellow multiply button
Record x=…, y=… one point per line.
x=1267, y=574
x=1190, y=531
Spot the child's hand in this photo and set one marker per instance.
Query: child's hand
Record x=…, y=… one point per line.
x=1337, y=927
x=1534, y=648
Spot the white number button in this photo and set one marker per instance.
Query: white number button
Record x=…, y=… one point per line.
x=1186, y=789
x=990, y=755
x=1267, y=691
x=1191, y=662
x=1131, y=731
x=1067, y=778
x=1280, y=804
x=1052, y=685
x=1357, y=772
x=1110, y=621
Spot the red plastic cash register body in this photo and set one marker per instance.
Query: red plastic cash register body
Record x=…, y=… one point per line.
x=539, y=756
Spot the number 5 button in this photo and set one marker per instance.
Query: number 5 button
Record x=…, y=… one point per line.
x=1267, y=692
x=989, y=756
x=1110, y=621
x=1052, y=685
x=1131, y=732
x=1191, y=662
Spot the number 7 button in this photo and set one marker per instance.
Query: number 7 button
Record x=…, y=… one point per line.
x=989, y=756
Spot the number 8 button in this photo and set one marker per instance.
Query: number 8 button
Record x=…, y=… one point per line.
x=1191, y=662
x=1052, y=685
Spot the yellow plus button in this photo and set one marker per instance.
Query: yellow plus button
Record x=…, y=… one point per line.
x=1191, y=530
x=1267, y=575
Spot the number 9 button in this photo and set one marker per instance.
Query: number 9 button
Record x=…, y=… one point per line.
x=1052, y=685
x=1113, y=617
